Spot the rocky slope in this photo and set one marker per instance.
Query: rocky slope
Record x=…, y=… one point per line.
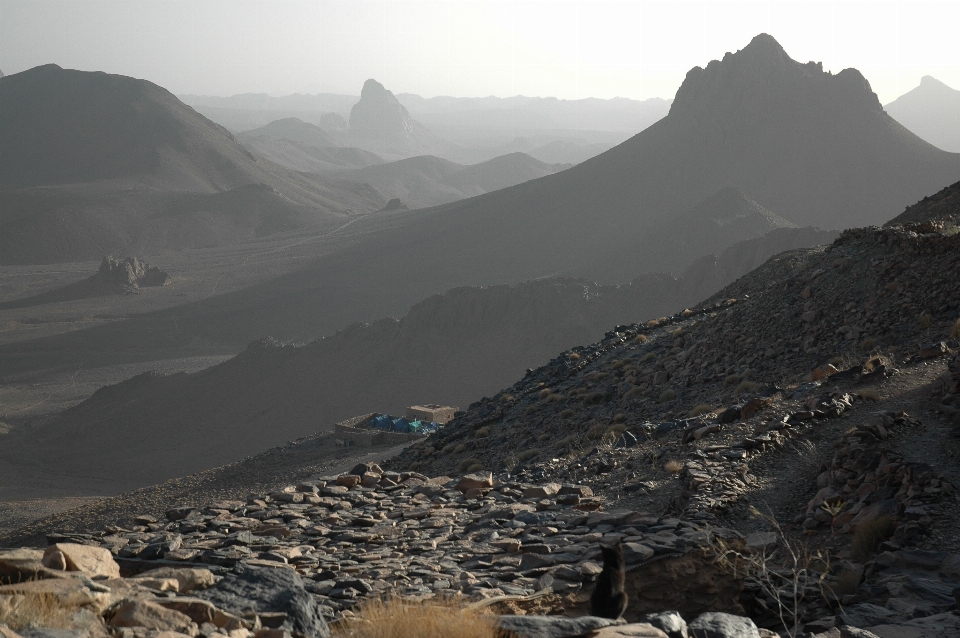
x=932, y=111
x=98, y=163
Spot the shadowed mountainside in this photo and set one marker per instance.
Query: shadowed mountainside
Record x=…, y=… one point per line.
x=96, y=163
x=932, y=111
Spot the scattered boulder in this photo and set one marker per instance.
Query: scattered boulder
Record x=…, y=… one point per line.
x=95, y=562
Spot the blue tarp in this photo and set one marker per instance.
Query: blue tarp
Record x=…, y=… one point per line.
x=382, y=422
x=429, y=427
x=401, y=425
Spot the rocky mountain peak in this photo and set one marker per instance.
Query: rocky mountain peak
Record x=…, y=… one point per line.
x=379, y=114
x=762, y=80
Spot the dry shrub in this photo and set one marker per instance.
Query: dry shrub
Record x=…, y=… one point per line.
x=925, y=320
x=667, y=396
x=507, y=397
x=447, y=449
x=643, y=338
x=846, y=583
x=700, y=410
x=676, y=334
x=574, y=356
x=42, y=610
x=566, y=414
x=673, y=467
x=635, y=391
x=546, y=392
x=530, y=410
x=868, y=344
x=869, y=536
x=653, y=323
x=544, y=437
x=556, y=398
x=566, y=441
x=396, y=618
x=686, y=313
x=465, y=464
x=648, y=357
x=460, y=449
x=619, y=417
x=747, y=387
x=617, y=364
x=526, y=455
x=955, y=331
x=870, y=394
x=731, y=379
x=413, y=467
x=482, y=432
x=476, y=467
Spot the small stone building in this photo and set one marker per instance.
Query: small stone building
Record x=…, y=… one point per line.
x=431, y=412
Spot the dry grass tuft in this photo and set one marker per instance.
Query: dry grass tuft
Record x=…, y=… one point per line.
x=617, y=364
x=700, y=410
x=869, y=394
x=648, y=357
x=673, y=467
x=955, y=331
x=731, y=379
x=414, y=466
x=868, y=344
x=676, y=334
x=448, y=448
x=640, y=339
x=925, y=320
x=596, y=432
x=869, y=536
x=566, y=441
x=546, y=436
x=465, y=464
x=482, y=432
x=635, y=391
x=460, y=449
x=668, y=395
x=395, y=618
x=619, y=417
x=747, y=387
x=574, y=356
x=526, y=455
x=42, y=610
x=566, y=414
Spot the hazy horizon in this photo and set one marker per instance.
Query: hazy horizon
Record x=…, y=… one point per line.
x=568, y=50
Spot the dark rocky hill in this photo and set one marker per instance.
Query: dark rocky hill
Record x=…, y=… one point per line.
x=932, y=111
x=450, y=348
x=97, y=163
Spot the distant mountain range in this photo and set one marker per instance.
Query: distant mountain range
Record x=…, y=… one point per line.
x=932, y=111
x=302, y=146
x=96, y=163
x=425, y=181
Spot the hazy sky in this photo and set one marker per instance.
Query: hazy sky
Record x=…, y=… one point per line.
x=565, y=49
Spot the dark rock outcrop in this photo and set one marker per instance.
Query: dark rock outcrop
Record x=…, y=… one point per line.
x=130, y=272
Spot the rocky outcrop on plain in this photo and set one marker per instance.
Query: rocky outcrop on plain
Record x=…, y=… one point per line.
x=130, y=274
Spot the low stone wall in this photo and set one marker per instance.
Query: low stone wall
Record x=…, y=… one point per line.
x=351, y=430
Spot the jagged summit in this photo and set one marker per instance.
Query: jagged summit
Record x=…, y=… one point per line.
x=762, y=77
x=379, y=114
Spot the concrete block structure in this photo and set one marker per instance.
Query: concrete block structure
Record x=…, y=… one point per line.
x=431, y=412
